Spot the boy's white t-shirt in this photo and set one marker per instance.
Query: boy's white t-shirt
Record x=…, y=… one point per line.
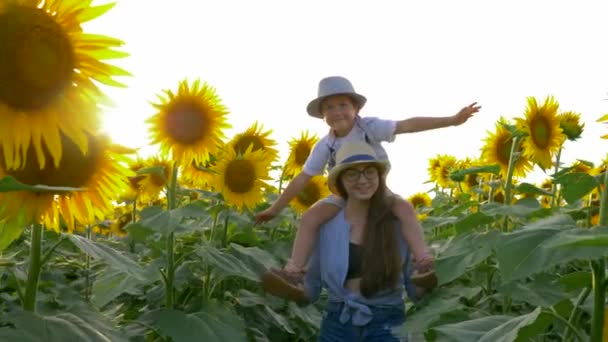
x=323, y=153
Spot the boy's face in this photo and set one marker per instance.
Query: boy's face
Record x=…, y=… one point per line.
x=339, y=111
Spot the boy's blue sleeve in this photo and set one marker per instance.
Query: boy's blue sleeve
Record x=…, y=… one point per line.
x=312, y=280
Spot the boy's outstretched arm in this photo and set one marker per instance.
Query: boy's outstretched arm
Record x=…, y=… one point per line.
x=297, y=184
x=422, y=123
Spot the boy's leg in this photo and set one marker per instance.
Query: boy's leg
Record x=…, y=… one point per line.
x=413, y=234
x=287, y=282
x=307, y=231
x=410, y=228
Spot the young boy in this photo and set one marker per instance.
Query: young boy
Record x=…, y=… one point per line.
x=338, y=104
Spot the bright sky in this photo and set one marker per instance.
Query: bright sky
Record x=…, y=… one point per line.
x=409, y=58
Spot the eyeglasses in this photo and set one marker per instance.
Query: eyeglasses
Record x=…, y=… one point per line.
x=353, y=175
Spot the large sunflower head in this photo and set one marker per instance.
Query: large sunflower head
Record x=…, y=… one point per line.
x=571, y=125
x=315, y=190
x=257, y=139
x=189, y=124
x=48, y=66
x=241, y=177
x=299, y=149
x=544, y=135
x=497, y=150
x=100, y=173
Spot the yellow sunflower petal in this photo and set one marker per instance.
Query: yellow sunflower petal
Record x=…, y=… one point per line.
x=99, y=173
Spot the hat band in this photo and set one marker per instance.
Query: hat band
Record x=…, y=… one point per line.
x=357, y=158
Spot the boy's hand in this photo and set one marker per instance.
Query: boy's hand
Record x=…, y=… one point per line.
x=266, y=215
x=465, y=113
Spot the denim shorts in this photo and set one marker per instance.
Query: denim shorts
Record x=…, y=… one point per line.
x=386, y=325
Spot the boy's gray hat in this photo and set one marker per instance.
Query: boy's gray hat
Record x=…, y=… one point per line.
x=334, y=85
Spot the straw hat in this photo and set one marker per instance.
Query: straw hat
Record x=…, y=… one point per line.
x=353, y=153
x=334, y=85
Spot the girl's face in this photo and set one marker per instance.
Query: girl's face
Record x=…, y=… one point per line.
x=340, y=113
x=360, y=181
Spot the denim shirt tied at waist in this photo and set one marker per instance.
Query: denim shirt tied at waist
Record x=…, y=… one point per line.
x=328, y=267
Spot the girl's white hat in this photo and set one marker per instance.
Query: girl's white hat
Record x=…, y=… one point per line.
x=353, y=153
x=334, y=85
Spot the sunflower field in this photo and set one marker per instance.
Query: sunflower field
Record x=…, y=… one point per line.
x=98, y=243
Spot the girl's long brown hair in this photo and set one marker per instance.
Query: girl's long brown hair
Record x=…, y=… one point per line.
x=381, y=261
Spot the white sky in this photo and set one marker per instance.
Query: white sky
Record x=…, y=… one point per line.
x=409, y=58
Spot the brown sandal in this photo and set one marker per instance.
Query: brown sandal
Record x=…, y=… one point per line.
x=284, y=285
x=424, y=275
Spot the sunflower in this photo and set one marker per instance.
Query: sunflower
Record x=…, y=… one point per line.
x=497, y=150
x=420, y=200
x=581, y=166
x=315, y=190
x=241, y=177
x=299, y=149
x=189, y=124
x=151, y=185
x=259, y=140
x=434, y=164
x=570, y=123
x=442, y=173
x=48, y=66
x=545, y=136
x=99, y=173
x=471, y=180
x=123, y=217
x=198, y=176
x=546, y=185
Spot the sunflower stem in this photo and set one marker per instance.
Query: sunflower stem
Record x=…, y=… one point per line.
x=133, y=214
x=598, y=268
x=508, y=184
x=171, y=201
x=225, y=236
x=575, y=310
x=87, y=280
x=33, y=274
x=554, y=199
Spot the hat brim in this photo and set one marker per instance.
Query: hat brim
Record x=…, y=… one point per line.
x=332, y=178
x=313, y=106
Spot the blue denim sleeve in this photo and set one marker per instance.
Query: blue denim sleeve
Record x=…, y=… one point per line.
x=410, y=288
x=312, y=280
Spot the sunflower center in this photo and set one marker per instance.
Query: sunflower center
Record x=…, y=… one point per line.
x=36, y=58
x=186, y=123
x=417, y=202
x=302, y=151
x=309, y=195
x=503, y=149
x=158, y=179
x=244, y=142
x=75, y=169
x=240, y=176
x=540, y=132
